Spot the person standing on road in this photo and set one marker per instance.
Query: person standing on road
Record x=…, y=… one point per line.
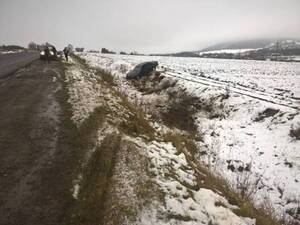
x=66, y=53
x=54, y=50
x=47, y=53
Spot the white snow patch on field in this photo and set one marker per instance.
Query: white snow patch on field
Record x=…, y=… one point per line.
x=11, y=52
x=228, y=51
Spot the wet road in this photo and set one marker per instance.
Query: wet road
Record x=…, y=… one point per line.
x=9, y=63
x=37, y=160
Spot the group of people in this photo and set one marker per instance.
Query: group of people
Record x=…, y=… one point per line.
x=51, y=52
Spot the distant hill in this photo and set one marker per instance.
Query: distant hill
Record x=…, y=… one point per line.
x=248, y=44
x=256, y=49
x=179, y=54
x=10, y=47
x=277, y=50
x=283, y=45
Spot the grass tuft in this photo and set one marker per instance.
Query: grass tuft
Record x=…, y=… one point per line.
x=80, y=60
x=107, y=77
x=180, y=113
x=295, y=133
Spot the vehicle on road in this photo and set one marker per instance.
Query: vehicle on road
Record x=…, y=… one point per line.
x=48, y=53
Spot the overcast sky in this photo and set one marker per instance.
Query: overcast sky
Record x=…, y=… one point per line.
x=153, y=26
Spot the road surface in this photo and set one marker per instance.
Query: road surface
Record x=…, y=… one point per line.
x=10, y=63
x=37, y=156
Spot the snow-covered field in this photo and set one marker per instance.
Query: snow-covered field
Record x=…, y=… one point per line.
x=278, y=82
x=252, y=136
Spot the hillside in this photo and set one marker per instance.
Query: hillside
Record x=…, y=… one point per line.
x=248, y=44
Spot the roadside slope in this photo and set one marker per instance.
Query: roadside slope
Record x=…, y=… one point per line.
x=139, y=170
x=195, y=119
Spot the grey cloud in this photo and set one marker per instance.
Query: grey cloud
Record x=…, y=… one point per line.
x=146, y=26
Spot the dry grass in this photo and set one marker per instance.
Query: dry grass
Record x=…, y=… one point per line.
x=88, y=129
x=144, y=190
x=82, y=139
x=80, y=60
x=136, y=124
x=295, y=133
x=105, y=76
x=92, y=198
x=179, y=217
x=269, y=112
x=96, y=176
x=180, y=112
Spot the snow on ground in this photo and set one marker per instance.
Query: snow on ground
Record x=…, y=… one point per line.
x=198, y=206
x=229, y=51
x=83, y=93
x=269, y=80
x=262, y=107
x=84, y=96
x=10, y=52
x=183, y=202
x=296, y=58
x=265, y=145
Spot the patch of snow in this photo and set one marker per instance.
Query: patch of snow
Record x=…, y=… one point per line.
x=182, y=199
x=84, y=93
x=10, y=52
x=76, y=189
x=228, y=51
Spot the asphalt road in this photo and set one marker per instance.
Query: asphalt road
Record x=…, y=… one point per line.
x=9, y=63
x=37, y=154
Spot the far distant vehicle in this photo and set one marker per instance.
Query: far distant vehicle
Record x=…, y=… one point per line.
x=48, y=53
